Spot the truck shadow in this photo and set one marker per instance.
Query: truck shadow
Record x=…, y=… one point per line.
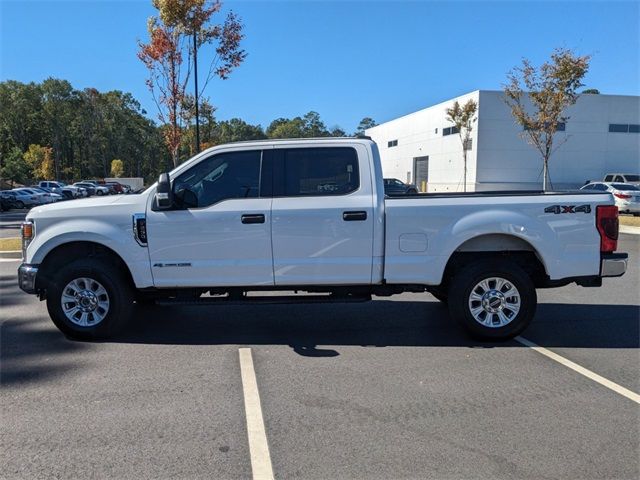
x=380, y=323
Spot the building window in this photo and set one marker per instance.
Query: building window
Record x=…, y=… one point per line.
x=624, y=128
x=618, y=128
x=392, y=143
x=449, y=131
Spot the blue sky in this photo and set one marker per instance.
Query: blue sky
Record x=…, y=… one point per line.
x=345, y=60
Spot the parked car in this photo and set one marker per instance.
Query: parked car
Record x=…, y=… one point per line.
x=90, y=188
x=49, y=197
x=7, y=200
x=99, y=189
x=256, y=216
x=25, y=198
x=626, y=195
x=115, y=186
x=70, y=190
x=393, y=186
x=53, y=187
x=632, y=178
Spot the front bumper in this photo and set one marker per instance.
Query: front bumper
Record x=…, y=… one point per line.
x=613, y=264
x=27, y=277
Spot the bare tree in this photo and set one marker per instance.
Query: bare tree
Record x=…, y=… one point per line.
x=549, y=90
x=463, y=117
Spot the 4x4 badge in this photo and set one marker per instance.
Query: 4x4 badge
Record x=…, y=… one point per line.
x=568, y=209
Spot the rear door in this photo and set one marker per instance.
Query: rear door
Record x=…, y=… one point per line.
x=322, y=216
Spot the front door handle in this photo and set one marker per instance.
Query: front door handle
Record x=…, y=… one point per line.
x=253, y=218
x=354, y=216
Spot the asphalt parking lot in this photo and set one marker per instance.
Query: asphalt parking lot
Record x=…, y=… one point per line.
x=388, y=389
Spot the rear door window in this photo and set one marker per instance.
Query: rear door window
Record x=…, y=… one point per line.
x=319, y=171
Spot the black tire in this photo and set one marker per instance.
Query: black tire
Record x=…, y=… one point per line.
x=99, y=192
x=468, y=278
x=19, y=204
x=412, y=191
x=119, y=292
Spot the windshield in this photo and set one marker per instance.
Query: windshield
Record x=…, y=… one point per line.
x=632, y=178
x=625, y=186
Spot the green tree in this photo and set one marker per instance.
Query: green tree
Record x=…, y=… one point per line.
x=365, y=123
x=337, y=132
x=117, y=168
x=285, y=128
x=313, y=126
x=592, y=91
x=15, y=168
x=538, y=98
x=463, y=117
x=236, y=130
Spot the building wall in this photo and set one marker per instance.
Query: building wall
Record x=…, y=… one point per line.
x=500, y=158
x=586, y=150
x=420, y=134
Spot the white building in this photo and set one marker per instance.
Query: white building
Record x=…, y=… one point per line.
x=602, y=135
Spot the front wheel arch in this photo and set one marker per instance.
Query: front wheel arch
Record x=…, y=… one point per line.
x=68, y=252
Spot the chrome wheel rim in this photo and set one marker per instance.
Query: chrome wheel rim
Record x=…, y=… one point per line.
x=85, y=302
x=494, y=302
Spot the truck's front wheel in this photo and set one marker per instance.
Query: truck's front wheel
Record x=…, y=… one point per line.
x=492, y=299
x=89, y=299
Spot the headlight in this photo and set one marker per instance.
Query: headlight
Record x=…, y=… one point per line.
x=28, y=230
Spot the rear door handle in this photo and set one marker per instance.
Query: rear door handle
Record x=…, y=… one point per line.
x=253, y=218
x=354, y=216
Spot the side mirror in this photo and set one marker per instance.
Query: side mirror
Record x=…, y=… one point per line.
x=164, y=195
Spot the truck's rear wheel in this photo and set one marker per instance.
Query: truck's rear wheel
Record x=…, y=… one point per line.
x=492, y=299
x=89, y=299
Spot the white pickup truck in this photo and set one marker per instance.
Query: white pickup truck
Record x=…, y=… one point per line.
x=311, y=216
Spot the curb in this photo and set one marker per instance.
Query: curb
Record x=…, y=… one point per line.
x=11, y=254
x=629, y=229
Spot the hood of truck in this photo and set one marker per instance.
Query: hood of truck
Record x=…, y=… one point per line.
x=94, y=206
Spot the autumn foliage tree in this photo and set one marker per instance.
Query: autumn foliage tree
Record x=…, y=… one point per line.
x=463, y=117
x=117, y=168
x=538, y=98
x=168, y=56
x=40, y=160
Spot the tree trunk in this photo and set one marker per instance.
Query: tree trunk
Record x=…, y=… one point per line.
x=464, y=157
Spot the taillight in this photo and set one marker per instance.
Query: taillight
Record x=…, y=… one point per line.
x=621, y=195
x=607, y=224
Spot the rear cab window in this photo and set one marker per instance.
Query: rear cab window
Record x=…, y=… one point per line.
x=316, y=171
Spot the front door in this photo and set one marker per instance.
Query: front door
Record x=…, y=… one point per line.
x=219, y=233
x=322, y=217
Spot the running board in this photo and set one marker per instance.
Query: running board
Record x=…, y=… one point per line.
x=271, y=300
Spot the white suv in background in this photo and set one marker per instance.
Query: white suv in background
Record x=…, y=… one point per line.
x=632, y=178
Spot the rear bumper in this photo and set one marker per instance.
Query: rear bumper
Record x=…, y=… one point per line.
x=27, y=277
x=613, y=264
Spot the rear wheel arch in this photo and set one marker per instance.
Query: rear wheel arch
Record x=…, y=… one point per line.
x=497, y=247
